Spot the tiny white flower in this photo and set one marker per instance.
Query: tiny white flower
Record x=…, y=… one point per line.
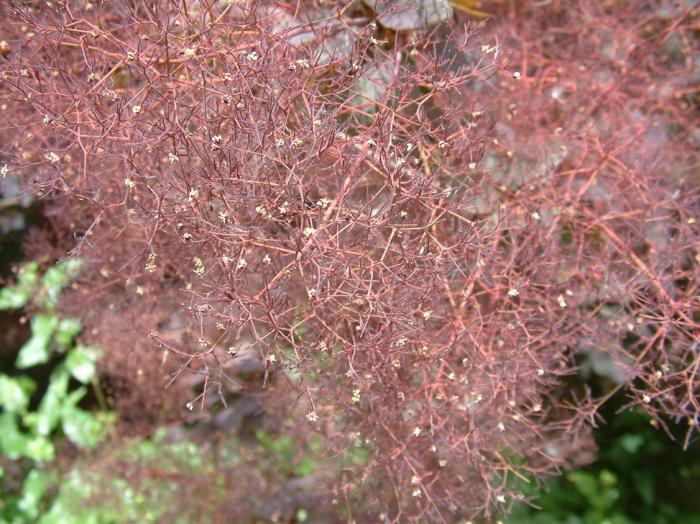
x=267, y=259
x=561, y=301
x=151, y=263
x=472, y=166
x=356, y=396
x=311, y=293
x=130, y=55
x=241, y=263
x=279, y=142
x=136, y=109
x=646, y=399
x=311, y=416
x=442, y=144
x=516, y=75
x=172, y=157
x=535, y=215
x=416, y=432
x=223, y=216
x=540, y=372
x=501, y=426
x=271, y=359
x=252, y=56
x=129, y=183
x=53, y=158
x=513, y=292
x=189, y=406
x=323, y=203
x=415, y=480
x=198, y=266
x=4, y=170
x=501, y=499
x=427, y=315
x=193, y=195
x=309, y=231
x=190, y=52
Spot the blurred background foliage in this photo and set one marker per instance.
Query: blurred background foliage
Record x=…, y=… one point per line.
x=639, y=476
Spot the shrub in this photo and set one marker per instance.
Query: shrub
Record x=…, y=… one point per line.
x=425, y=228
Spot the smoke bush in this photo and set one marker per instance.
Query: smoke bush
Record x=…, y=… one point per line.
x=423, y=231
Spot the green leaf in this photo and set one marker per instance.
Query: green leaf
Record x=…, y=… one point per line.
x=57, y=277
x=13, y=442
x=33, y=491
x=586, y=483
x=13, y=297
x=74, y=397
x=80, y=362
x=82, y=427
x=17, y=296
x=15, y=393
x=306, y=467
x=36, y=350
x=67, y=330
x=49, y=413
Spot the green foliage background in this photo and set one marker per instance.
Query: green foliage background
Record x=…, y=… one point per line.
x=639, y=476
